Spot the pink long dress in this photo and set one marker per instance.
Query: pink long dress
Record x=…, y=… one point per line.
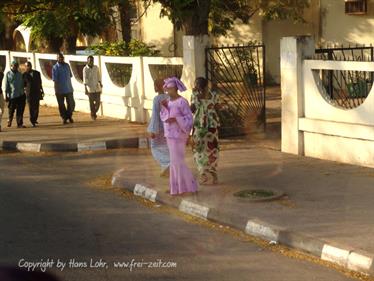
x=176, y=133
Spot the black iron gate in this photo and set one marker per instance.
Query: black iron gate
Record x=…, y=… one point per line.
x=237, y=75
x=346, y=89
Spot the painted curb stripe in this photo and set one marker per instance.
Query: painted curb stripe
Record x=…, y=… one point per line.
x=194, y=209
x=77, y=147
x=31, y=147
x=122, y=143
x=262, y=230
x=59, y=147
x=302, y=242
x=359, y=262
x=335, y=255
x=114, y=180
x=91, y=146
x=342, y=257
x=145, y=192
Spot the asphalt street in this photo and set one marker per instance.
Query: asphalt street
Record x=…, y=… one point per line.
x=60, y=208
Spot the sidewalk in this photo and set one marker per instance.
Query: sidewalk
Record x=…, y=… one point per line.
x=328, y=209
x=104, y=133
x=83, y=134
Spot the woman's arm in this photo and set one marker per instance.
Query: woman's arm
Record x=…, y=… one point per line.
x=164, y=112
x=154, y=125
x=186, y=119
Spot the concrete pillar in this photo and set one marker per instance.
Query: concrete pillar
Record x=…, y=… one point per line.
x=193, y=59
x=293, y=51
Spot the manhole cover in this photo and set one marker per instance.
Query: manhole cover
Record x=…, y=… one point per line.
x=257, y=195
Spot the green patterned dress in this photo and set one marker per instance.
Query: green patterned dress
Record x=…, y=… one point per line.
x=205, y=136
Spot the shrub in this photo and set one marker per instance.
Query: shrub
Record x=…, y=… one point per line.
x=132, y=49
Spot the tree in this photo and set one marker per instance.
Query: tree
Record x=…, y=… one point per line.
x=7, y=27
x=124, y=9
x=200, y=17
x=63, y=20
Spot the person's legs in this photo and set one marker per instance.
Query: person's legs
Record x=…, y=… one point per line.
x=2, y=104
x=21, y=103
x=200, y=153
x=33, y=109
x=97, y=102
x=213, y=153
x=36, y=112
x=160, y=152
x=61, y=106
x=181, y=178
x=70, y=106
x=11, y=109
x=91, y=99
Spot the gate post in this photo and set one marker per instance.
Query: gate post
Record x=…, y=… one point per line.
x=193, y=59
x=293, y=51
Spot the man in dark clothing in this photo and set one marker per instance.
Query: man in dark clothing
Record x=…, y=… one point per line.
x=34, y=91
x=15, y=94
x=2, y=101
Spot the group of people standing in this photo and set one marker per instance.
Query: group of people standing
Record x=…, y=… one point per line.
x=171, y=123
x=20, y=88
x=27, y=87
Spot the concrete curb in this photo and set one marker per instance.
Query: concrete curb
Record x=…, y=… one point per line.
x=136, y=142
x=345, y=257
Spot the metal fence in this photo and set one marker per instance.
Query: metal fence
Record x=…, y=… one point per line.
x=346, y=89
x=237, y=75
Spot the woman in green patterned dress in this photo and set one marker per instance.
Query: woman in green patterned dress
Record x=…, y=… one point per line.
x=204, y=105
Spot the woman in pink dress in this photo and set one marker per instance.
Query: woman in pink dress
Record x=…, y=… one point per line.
x=177, y=118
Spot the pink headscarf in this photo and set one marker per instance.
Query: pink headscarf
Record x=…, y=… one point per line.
x=174, y=82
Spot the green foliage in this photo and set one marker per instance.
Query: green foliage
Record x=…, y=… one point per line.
x=121, y=48
x=121, y=73
x=2, y=24
x=218, y=16
x=139, y=48
x=109, y=48
x=63, y=19
x=177, y=10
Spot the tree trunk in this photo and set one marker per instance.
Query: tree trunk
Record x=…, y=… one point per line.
x=117, y=16
x=198, y=23
x=6, y=37
x=125, y=11
x=71, y=44
x=54, y=44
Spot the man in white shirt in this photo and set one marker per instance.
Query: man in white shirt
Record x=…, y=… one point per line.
x=93, y=86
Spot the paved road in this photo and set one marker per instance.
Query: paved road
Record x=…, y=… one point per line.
x=49, y=208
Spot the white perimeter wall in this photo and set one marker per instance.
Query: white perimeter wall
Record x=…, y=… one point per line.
x=313, y=126
x=132, y=102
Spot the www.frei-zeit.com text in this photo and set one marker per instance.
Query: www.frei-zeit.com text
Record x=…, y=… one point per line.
x=59, y=264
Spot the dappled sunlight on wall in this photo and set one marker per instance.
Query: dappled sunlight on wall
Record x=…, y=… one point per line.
x=362, y=33
x=340, y=28
x=157, y=31
x=242, y=33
